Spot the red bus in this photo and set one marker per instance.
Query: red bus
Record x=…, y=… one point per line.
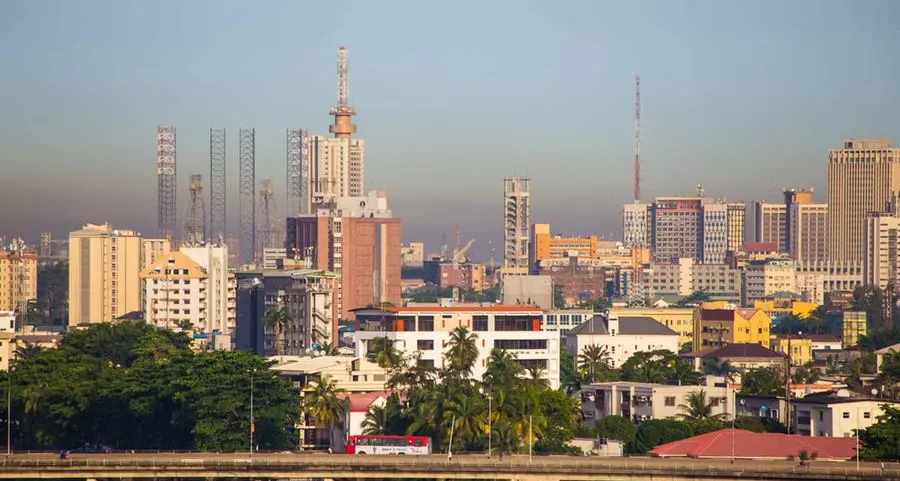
x=388, y=445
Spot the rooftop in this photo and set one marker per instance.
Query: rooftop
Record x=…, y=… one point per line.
x=635, y=326
x=449, y=309
x=750, y=445
x=736, y=351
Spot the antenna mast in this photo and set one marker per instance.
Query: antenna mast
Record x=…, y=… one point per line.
x=637, y=138
x=342, y=127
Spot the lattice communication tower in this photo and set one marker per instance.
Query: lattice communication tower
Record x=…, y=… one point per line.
x=195, y=217
x=297, y=172
x=166, y=181
x=217, y=186
x=246, y=193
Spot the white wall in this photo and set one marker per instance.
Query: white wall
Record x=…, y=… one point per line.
x=622, y=346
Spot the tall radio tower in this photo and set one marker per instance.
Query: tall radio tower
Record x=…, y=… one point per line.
x=166, y=181
x=637, y=138
x=342, y=112
x=195, y=218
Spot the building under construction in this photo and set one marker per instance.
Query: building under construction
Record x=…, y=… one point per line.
x=456, y=270
x=516, y=222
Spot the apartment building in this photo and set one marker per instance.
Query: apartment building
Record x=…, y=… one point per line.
x=564, y=320
x=882, y=256
x=678, y=319
x=622, y=337
x=425, y=331
x=770, y=225
x=853, y=326
x=807, y=235
x=336, y=169
x=763, y=280
x=104, y=273
x=863, y=177
x=719, y=281
x=544, y=245
x=836, y=414
x=799, y=348
x=718, y=327
x=18, y=280
x=636, y=224
x=639, y=401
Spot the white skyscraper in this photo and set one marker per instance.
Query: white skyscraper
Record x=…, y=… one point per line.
x=336, y=168
x=636, y=224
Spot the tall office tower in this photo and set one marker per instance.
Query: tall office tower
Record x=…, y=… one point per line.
x=18, y=279
x=357, y=238
x=807, y=232
x=862, y=176
x=516, y=221
x=335, y=169
x=770, y=225
x=677, y=229
x=166, y=181
x=793, y=197
x=714, y=232
x=737, y=213
x=104, y=273
x=636, y=224
x=881, y=239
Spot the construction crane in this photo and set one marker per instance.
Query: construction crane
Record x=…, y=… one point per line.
x=459, y=255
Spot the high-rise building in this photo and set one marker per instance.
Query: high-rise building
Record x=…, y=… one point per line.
x=336, y=168
x=412, y=254
x=517, y=221
x=357, y=238
x=104, y=273
x=770, y=222
x=737, y=213
x=793, y=197
x=18, y=279
x=191, y=287
x=677, y=229
x=636, y=224
x=715, y=233
x=862, y=176
x=544, y=245
x=807, y=232
x=882, y=250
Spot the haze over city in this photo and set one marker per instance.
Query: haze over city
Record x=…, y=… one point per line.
x=452, y=97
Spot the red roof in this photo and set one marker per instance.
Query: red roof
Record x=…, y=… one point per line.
x=717, y=314
x=492, y=308
x=750, y=445
x=764, y=247
x=360, y=402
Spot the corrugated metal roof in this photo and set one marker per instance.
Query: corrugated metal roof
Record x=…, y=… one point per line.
x=750, y=445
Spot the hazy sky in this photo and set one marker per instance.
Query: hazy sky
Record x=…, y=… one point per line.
x=745, y=97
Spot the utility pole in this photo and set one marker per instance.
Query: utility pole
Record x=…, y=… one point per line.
x=252, y=426
x=490, y=427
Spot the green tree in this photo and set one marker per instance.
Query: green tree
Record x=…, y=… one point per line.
x=650, y=366
x=698, y=408
x=694, y=299
x=276, y=321
x=559, y=297
x=325, y=405
x=616, y=427
x=761, y=382
x=386, y=419
x=570, y=378
x=28, y=351
x=655, y=432
x=871, y=299
x=882, y=439
x=329, y=349
x=593, y=362
x=464, y=415
x=463, y=351
x=562, y=415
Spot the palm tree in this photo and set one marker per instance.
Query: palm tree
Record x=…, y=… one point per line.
x=277, y=319
x=502, y=370
x=592, y=361
x=377, y=420
x=697, y=408
x=684, y=374
x=463, y=351
x=329, y=349
x=383, y=352
x=28, y=351
x=464, y=415
x=325, y=405
x=504, y=438
x=536, y=378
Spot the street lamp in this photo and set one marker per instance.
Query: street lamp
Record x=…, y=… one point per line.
x=490, y=415
x=252, y=426
x=9, y=411
x=733, y=417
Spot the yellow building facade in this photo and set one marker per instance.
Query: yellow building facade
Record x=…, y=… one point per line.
x=7, y=349
x=678, y=319
x=18, y=279
x=104, y=273
x=546, y=246
x=853, y=327
x=776, y=308
x=798, y=348
x=719, y=327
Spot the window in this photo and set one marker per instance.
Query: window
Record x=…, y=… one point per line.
x=425, y=345
x=867, y=415
x=530, y=363
x=670, y=401
x=846, y=415
x=425, y=363
x=480, y=323
x=513, y=323
x=426, y=323
x=520, y=344
x=821, y=415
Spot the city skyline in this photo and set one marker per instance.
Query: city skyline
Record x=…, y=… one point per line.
x=94, y=79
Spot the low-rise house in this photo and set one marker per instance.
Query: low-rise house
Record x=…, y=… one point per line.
x=742, y=357
x=799, y=348
x=622, y=337
x=640, y=401
x=880, y=354
x=825, y=342
x=836, y=414
x=348, y=373
x=741, y=444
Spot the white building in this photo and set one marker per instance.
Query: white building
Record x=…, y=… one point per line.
x=622, y=337
x=425, y=330
x=824, y=342
x=638, y=401
x=715, y=233
x=836, y=415
x=881, y=243
x=636, y=224
x=191, y=286
x=564, y=320
x=719, y=281
x=336, y=168
x=516, y=222
x=7, y=321
x=412, y=254
x=765, y=278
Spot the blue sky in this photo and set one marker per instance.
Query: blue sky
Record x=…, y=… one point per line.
x=745, y=97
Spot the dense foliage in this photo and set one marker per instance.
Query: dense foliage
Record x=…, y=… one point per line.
x=882, y=439
x=132, y=386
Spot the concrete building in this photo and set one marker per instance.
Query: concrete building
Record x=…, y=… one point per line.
x=719, y=281
x=799, y=348
x=678, y=319
x=715, y=233
x=636, y=224
x=770, y=223
x=104, y=273
x=358, y=239
x=836, y=414
x=336, y=169
x=639, y=401
x=308, y=297
x=8, y=321
x=853, y=326
x=763, y=280
x=824, y=343
x=736, y=218
x=863, y=176
x=834, y=276
x=528, y=290
x=153, y=249
x=808, y=232
x=564, y=320
x=516, y=221
x=544, y=245
x=18, y=280
x=580, y=278
x=881, y=245
x=464, y=275
x=425, y=331
x=677, y=229
x=622, y=337
x=412, y=254
x=719, y=327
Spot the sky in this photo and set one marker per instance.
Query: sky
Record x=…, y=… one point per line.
x=743, y=97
